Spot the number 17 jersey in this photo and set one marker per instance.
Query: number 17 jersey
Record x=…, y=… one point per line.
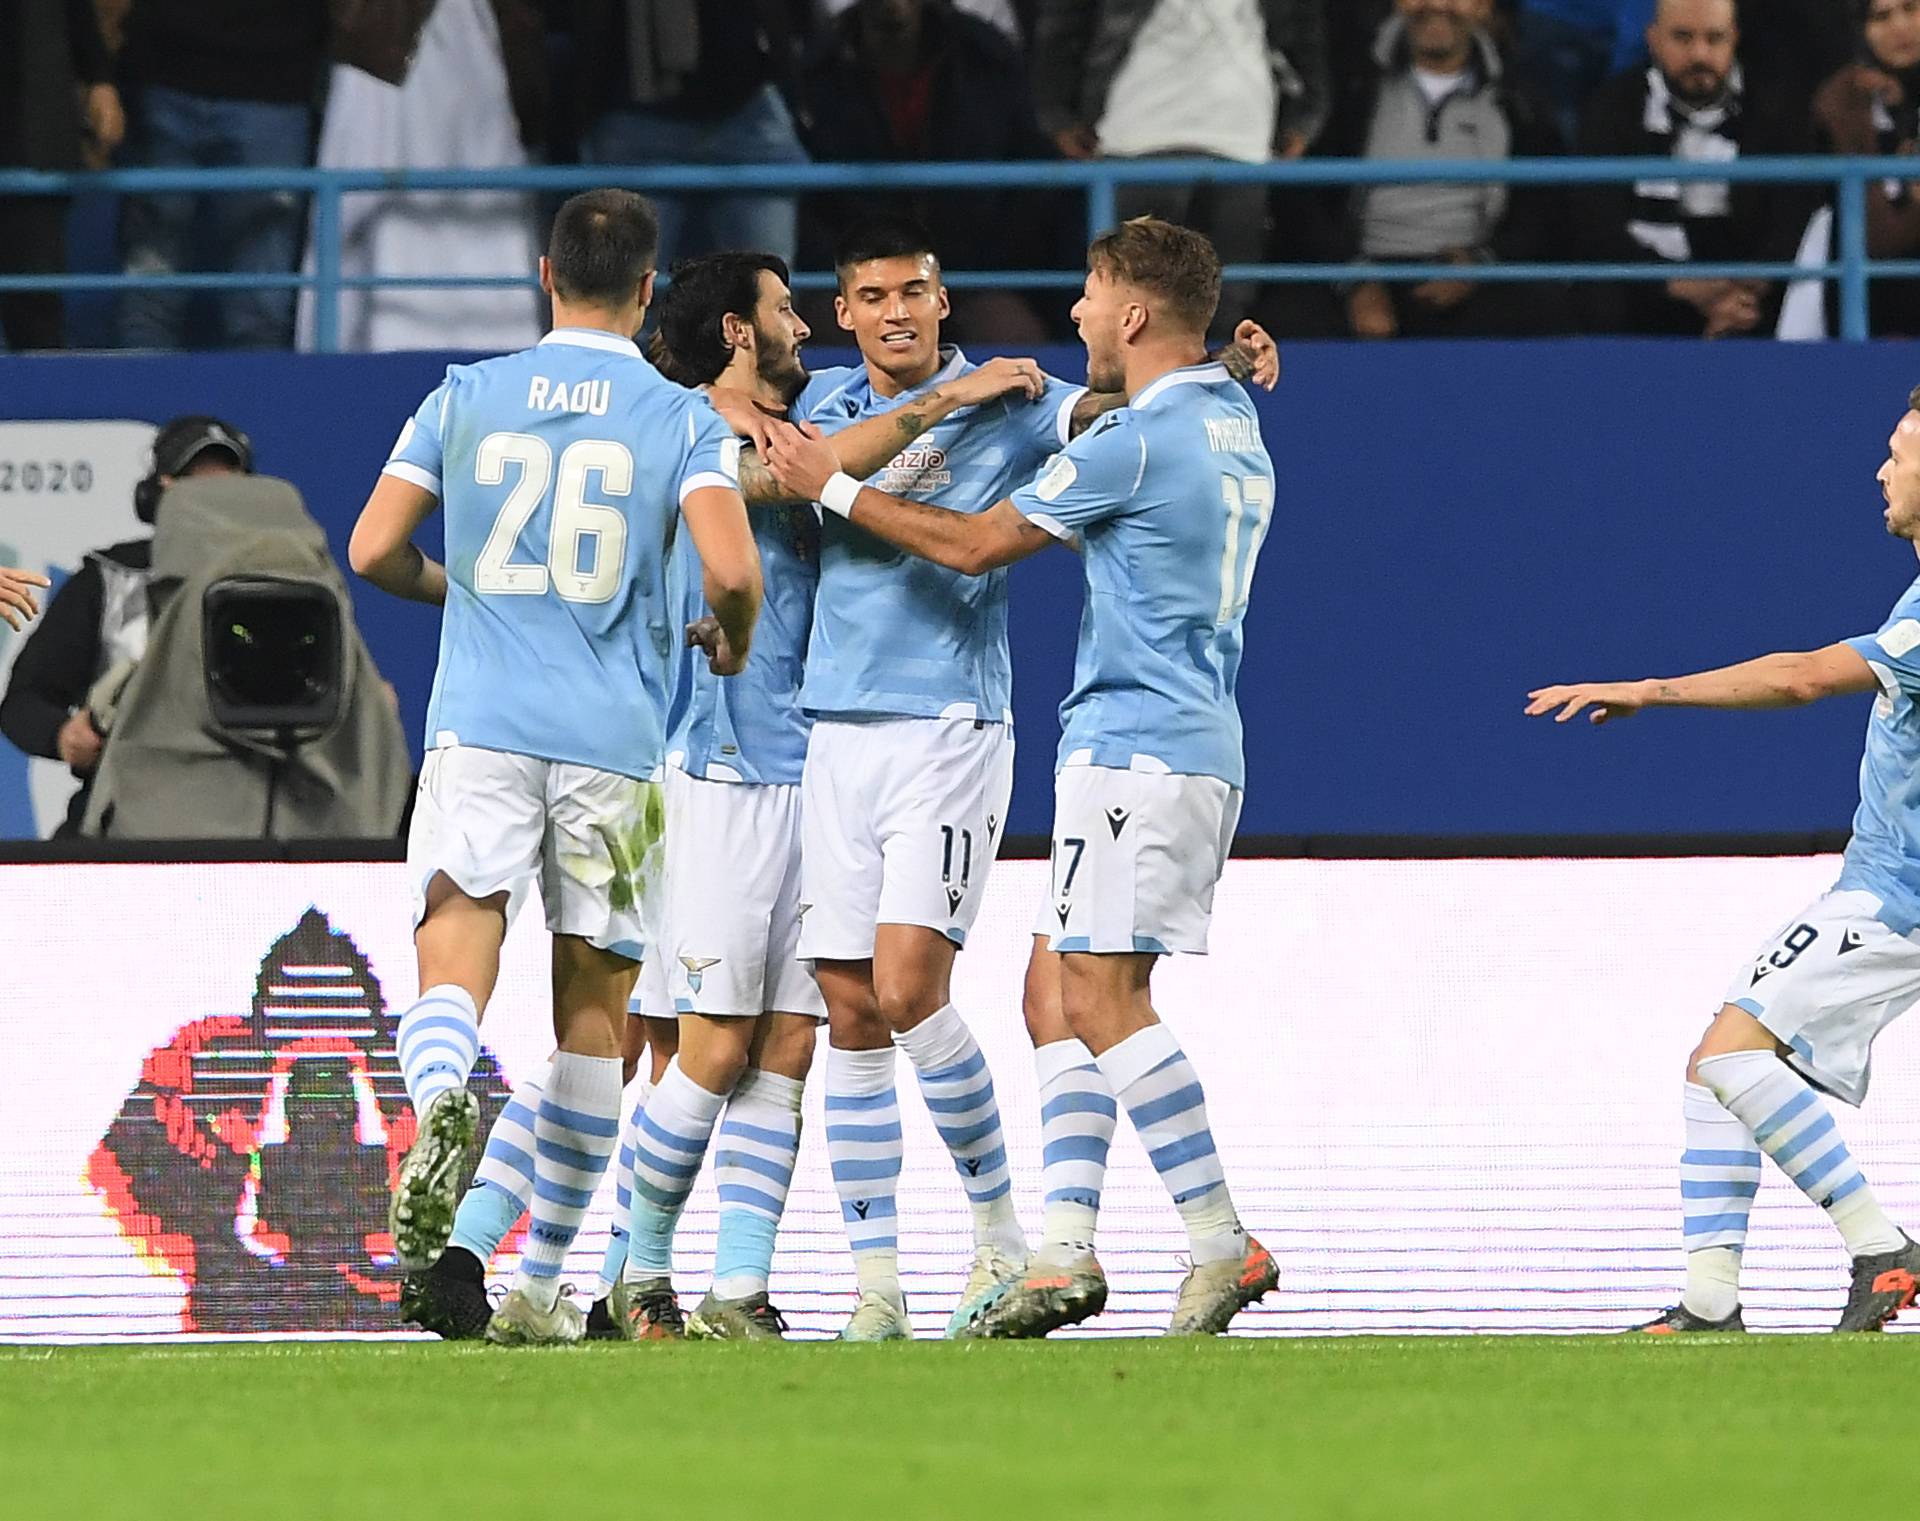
x=560, y=471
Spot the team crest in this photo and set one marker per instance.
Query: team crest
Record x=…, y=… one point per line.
x=696, y=968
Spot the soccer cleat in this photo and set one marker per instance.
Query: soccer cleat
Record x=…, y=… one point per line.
x=749, y=1319
x=1680, y=1321
x=994, y=1272
x=427, y=1192
x=878, y=1318
x=1213, y=1293
x=519, y=1322
x=1046, y=1297
x=1884, y=1284
x=449, y=1298
x=651, y=1311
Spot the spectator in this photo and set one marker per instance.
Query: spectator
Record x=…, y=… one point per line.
x=98, y=618
x=916, y=79
x=1240, y=80
x=693, y=82
x=1691, y=103
x=1437, y=89
x=216, y=84
x=441, y=84
x=1568, y=47
x=18, y=604
x=1872, y=106
x=1002, y=14
x=49, y=51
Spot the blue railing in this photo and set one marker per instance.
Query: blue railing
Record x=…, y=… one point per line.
x=1098, y=180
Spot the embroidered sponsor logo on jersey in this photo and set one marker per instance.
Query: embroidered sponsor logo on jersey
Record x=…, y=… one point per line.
x=917, y=467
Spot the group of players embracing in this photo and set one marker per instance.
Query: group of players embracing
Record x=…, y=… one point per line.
x=724, y=668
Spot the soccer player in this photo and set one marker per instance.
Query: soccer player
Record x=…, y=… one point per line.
x=1801, y=1018
x=748, y=1007
x=1169, y=500
x=561, y=469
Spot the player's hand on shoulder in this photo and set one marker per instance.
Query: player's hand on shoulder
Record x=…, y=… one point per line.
x=801, y=461
x=706, y=634
x=1601, y=701
x=741, y=415
x=1253, y=357
x=1020, y=378
x=17, y=601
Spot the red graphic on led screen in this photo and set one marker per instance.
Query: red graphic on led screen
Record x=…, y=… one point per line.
x=255, y=1156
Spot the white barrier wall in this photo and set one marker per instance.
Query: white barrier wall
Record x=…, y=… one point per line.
x=1447, y=1094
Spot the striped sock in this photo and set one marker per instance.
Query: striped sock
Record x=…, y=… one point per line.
x=958, y=1089
x=667, y=1150
x=1794, y=1128
x=438, y=1043
x=1077, y=1118
x=1157, y=1083
x=615, y=1262
x=1719, y=1175
x=865, y=1151
x=574, y=1132
x=753, y=1166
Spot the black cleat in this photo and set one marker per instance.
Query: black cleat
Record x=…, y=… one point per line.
x=1883, y=1285
x=601, y=1326
x=1680, y=1321
x=449, y=1298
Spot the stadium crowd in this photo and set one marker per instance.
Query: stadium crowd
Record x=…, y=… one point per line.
x=479, y=83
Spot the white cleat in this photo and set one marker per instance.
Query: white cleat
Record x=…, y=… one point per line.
x=878, y=1318
x=994, y=1273
x=519, y=1322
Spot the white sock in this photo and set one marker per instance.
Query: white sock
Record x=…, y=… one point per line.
x=1719, y=1175
x=668, y=1148
x=759, y=1141
x=864, y=1150
x=614, y=1263
x=1078, y=1114
x=575, y=1131
x=958, y=1090
x=437, y=1044
x=1793, y=1127
x=1153, y=1078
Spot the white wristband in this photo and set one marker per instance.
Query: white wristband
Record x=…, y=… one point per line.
x=839, y=493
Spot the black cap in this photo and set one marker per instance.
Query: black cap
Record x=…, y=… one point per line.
x=183, y=440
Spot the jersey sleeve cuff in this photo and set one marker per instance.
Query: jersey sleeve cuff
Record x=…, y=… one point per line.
x=1063, y=419
x=700, y=480
x=416, y=475
x=1047, y=522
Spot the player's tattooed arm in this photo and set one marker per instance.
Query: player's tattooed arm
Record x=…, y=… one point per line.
x=1786, y=680
x=971, y=543
x=869, y=445
x=382, y=548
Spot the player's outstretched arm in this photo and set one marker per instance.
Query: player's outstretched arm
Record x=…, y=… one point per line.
x=730, y=561
x=17, y=603
x=971, y=543
x=868, y=445
x=382, y=548
x=1787, y=680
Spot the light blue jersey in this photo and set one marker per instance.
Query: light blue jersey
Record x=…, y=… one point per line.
x=897, y=636
x=561, y=471
x=1884, y=855
x=750, y=727
x=1171, y=497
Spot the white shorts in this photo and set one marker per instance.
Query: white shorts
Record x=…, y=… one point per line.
x=1136, y=856
x=900, y=825
x=652, y=999
x=732, y=928
x=1828, y=982
x=495, y=822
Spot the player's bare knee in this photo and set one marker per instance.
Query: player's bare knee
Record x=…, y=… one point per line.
x=1040, y=997
x=1733, y=1029
x=787, y=1044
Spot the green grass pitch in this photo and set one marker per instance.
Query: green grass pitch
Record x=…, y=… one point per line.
x=1538, y=1428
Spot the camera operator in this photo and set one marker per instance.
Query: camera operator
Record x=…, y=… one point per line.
x=99, y=617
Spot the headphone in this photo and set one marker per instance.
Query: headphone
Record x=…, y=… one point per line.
x=176, y=446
